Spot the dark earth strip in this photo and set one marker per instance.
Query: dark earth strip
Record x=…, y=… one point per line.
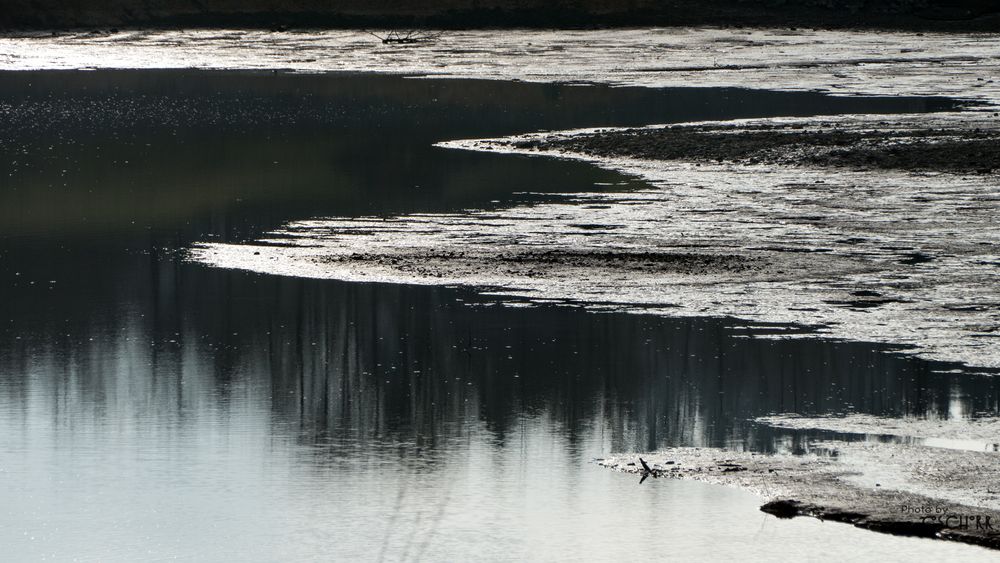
x=425, y=261
x=952, y=150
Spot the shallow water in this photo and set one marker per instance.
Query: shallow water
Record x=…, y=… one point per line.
x=151, y=408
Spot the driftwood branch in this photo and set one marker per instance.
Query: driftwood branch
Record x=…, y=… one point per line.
x=647, y=471
x=403, y=37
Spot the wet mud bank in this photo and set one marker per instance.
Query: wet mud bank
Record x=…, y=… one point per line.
x=900, y=257
x=932, y=477
x=897, y=252
x=955, y=146
x=886, y=254
x=874, y=227
x=890, y=488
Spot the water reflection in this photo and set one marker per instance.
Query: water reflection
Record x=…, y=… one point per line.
x=355, y=365
x=154, y=408
x=313, y=420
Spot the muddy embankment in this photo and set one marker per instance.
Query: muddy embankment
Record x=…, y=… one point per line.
x=913, y=477
x=895, y=251
x=886, y=145
x=963, y=15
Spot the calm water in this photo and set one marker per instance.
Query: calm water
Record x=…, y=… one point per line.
x=156, y=409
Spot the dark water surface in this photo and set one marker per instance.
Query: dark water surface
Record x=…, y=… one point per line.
x=155, y=409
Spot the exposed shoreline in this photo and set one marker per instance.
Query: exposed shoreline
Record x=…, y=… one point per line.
x=932, y=478
x=888, y=144
x=841, y=63
x=842, y=482
x=899, y=257
x=874, y=228
x=871, y=227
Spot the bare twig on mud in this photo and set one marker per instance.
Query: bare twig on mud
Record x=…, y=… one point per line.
x=647, y=471
x=403, y=37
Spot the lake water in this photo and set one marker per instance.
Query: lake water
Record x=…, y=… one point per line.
x=152, y=408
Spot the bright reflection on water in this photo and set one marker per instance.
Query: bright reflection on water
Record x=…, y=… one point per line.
x=155, y=409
